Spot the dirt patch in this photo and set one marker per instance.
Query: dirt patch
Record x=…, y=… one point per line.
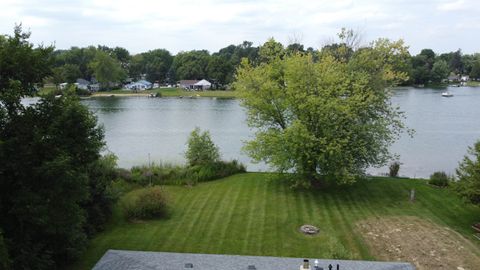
x=421, y=242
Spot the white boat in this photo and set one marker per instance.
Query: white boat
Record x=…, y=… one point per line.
x=447, y=94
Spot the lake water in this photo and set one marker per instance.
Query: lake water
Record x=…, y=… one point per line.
x=136, y=127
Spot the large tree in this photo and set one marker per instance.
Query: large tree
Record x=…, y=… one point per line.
x=191, y=65
x=107, y=70
x=327, y=121
x=440, y=71
x=53, y=181
x=157, y=64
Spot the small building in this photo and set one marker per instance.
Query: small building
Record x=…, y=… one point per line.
x=187, y=84
x=195, y=84
x=453, y=78
x=465, y=78
x=82, y=84
x=203, y=85
x=94, y=87
x=139, y=85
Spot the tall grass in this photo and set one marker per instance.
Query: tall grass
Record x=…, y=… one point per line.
x=170, y=174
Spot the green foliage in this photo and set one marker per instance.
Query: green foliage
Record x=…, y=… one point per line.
x=475, y=72
x=439, y=179
x=468, y=174
x=147, y=203
x=190, y=65
x=180, y=175
x=200, y=148
x=21, y=62
x=107, y=70
x=98, y=205
x=271, y=51
x=52, y=180
x=327, y=120
x=157, y=64
x=440, y=71
x=393, y=169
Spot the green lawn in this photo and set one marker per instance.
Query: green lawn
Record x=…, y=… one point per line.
x=177, y=92
x=256, y=214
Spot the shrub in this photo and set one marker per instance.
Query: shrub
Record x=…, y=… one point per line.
x=201, y=149
x=439, y=179
x=147, y=203
x=393, y=169
x=468, y=173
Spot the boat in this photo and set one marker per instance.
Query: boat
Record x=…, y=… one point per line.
x=447, y=94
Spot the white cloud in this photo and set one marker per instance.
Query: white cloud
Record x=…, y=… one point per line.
x=456, y=5
x=176, y=25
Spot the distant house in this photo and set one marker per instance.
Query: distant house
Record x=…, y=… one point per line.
x=82, y=84
x=94, y=87
x=465, y=78
x=203, y=85
x=139, y=85
x=453, y=78
x=187, y=84
x=195, y=84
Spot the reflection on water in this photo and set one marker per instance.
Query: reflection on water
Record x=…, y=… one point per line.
x=137, y=126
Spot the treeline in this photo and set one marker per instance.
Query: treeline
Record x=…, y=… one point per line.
x=115, y=65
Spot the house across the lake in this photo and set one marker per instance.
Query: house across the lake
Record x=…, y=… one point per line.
x=195, y=84
x=139, y=85
x=82, y=84
x=138, y=260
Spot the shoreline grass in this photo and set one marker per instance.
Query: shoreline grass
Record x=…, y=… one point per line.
x=258, y=214
x=170, y=92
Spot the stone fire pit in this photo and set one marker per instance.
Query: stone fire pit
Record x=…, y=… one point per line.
x=309, y=229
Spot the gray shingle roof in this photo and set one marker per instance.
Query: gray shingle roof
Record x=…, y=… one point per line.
x=139, y=260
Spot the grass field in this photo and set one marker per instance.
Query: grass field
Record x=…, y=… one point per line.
x=257, y=214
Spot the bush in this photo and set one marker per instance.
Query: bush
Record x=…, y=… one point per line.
x=393, y=169
x=468, y=173
x=147, y=203
x=439, y=179
x=201, y=149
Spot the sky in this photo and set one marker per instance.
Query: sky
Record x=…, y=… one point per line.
x=182, y=25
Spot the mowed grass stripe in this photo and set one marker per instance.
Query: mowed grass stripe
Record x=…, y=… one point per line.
x=261, y=217
x=186, y=223
x=253, y=209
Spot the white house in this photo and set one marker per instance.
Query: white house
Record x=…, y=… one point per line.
x=203, y=85
x=195, y=85
x=139, y=85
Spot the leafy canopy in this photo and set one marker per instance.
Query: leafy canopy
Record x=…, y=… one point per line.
x=325, y=120
x=53, y=181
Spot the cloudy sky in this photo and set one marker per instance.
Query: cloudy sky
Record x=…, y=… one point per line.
x=176, y=25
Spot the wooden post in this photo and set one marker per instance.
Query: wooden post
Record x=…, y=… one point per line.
x=412, y=195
